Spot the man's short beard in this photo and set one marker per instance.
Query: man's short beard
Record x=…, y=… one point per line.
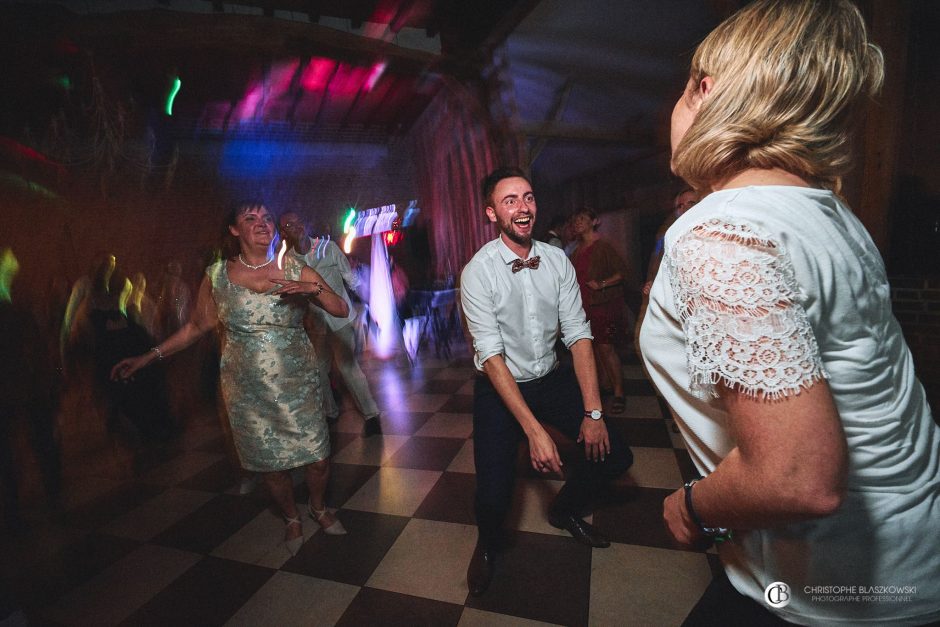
x=522, y=240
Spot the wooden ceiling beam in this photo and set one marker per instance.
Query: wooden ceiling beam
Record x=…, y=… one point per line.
x=175, y=33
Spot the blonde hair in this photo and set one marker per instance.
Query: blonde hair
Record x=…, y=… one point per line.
x=788, y=76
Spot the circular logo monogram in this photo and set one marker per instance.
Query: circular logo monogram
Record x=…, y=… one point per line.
x=777, y=594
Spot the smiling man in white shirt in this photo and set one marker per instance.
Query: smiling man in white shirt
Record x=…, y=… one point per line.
x=518, y=295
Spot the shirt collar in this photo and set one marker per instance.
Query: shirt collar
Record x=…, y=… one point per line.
x=507, y=256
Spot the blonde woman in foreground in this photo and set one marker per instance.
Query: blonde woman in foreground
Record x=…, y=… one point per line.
x=770, y=333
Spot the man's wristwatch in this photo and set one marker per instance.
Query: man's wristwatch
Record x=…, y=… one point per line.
x=593, y=414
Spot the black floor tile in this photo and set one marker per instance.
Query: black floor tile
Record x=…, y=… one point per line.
x=647, y=432
x=209, y=593
x=397, y=422
x=345, y=480
x=211, y=524
x=540, y=577
x=215, y=445
x=218, y=477
x=113, y=505
x=638, y=387
x=686, y=467
x=351, y=558
x=458, y=404
x=40, y=581
x=633, y=515
x=714, y=563
x=426, y=453
x=450, y=500
x=381, y=607
x=340, y=439
x=442, y=386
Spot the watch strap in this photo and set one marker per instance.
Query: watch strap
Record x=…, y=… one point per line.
x=720, y=534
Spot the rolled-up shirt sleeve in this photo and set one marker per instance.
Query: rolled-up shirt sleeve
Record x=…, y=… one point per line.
x=571, y=316
x=477, y=301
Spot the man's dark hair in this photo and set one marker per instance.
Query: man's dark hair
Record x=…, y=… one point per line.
x=497, y=175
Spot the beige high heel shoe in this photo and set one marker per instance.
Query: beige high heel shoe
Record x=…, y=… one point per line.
x=293, y=545
x=335, y=529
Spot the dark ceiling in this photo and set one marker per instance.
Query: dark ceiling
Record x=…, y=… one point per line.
x=361, y=70
x=589, y=83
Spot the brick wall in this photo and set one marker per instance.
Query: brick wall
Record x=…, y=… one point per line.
x=916, y=302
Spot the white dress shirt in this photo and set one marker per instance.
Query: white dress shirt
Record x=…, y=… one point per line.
x=327, y=259
x=519, y=315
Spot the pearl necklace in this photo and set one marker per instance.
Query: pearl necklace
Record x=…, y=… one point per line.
x=251, y=267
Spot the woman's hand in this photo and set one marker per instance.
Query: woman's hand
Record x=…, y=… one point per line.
x=126, y=368
x=679, y=523
x=310, y=288
x=595, y=285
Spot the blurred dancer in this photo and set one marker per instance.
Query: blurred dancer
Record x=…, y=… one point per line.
x=333, y=337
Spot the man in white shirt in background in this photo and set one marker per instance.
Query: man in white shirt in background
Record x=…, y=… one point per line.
x=332, y=336
x=517, y=295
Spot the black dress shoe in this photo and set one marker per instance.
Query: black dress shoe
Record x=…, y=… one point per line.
x=580, y=530
x=372, y=427
x=480, y=571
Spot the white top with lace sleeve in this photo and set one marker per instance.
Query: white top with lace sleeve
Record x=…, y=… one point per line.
x=767, y=290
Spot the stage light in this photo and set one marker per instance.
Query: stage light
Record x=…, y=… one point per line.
x=350, y=218
x=174, y=89
x=9, y=266
x=125, y=296
x=348, y=242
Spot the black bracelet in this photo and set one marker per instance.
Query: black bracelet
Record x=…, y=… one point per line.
x=720, y=534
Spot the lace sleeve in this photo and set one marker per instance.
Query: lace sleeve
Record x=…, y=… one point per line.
x=739, y=304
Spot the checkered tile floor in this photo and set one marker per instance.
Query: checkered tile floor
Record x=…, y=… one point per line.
x=179, y=546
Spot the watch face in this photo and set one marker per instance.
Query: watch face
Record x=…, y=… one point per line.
x=596, y=414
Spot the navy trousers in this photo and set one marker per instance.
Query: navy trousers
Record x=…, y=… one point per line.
x=555, y=399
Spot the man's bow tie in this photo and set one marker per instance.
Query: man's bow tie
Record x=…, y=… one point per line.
x=531, y=262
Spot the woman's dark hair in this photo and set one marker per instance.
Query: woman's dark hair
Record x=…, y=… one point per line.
x=590, y=213
x=230, y=246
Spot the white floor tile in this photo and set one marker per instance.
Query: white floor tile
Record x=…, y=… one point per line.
x=444, y=425
x=429, y=559
x=648, y=586
x=530, y=503
x=397, y=491
x=289, y=599
x=655, y=468
x=261, y=541
x=642, y=407
x=480, y=618
x=463, y=461
x=372, y=451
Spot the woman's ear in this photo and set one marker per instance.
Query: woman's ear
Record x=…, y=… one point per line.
x=704, y=90
x=233, y=230
x=698, y=93
x=706, y=85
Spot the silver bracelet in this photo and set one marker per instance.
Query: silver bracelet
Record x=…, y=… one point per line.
x=156, y=349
